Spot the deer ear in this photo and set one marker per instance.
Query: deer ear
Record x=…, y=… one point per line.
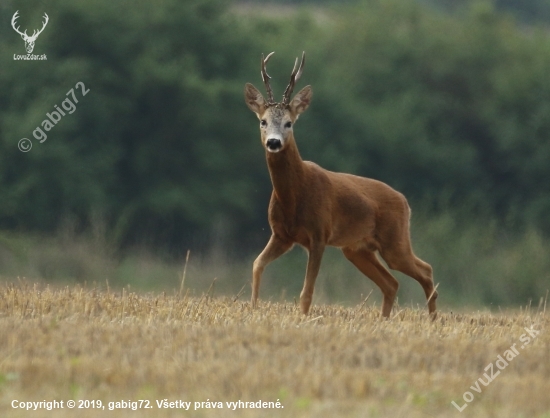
x=301, y=101
x=254, y=99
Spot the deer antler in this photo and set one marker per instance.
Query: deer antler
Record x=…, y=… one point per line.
x=294, y=77
x=35, y=33
x=266, y=77
x=13, y=19
x=24, y=34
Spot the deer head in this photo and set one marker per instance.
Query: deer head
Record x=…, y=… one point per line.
x=277, y=119
x=29, y=40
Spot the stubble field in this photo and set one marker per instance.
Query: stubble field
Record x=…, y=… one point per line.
x=99, y=347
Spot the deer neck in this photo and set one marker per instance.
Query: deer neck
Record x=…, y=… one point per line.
x=286, y=170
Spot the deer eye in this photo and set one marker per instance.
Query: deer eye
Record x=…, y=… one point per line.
x=288, y=124
x=263, y=123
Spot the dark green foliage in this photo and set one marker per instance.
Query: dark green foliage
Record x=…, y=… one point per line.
x=161, y=146
x=454, y=111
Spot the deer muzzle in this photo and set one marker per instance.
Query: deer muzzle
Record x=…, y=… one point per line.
x=274, y=144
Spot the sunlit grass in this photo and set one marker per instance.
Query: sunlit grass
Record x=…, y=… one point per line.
x=79, y=342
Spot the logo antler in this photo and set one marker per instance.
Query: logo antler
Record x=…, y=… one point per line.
x=29, y=40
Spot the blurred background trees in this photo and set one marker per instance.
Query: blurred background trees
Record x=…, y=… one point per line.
x=448, y=102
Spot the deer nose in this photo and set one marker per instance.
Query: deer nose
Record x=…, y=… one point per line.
x=273, y=144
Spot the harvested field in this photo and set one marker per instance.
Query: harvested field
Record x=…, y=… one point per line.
x=78, y=343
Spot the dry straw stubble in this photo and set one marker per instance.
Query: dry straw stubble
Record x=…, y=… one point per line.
x=82, y=343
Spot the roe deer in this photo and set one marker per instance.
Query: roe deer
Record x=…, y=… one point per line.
x=315, y=207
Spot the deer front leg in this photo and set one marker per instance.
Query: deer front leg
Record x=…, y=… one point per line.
x=313, y=264
x=275, y=248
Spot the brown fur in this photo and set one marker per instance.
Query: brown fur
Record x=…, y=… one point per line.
x=315, y=207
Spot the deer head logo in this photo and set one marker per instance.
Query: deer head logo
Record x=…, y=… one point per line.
x=29, y=40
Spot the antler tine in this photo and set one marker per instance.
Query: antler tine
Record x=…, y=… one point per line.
x=266, y=77
x=13, y=23
x=46, y=20
x=294, y=77
x=39, y=31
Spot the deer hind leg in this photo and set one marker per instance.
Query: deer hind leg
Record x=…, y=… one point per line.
x=406, y=262
x=275, y=248
x=367, y=262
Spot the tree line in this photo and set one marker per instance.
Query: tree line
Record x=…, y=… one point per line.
x=451, y=109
